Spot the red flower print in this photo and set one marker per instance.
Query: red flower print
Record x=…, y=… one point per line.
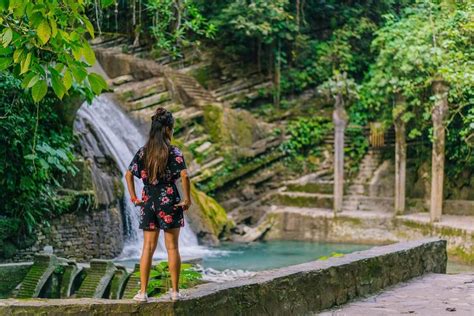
x=169, y=190
x=161, y=214
x=144, y=174
x=179, y=159
x=168, y=219
x=145, y=198
x=152, y=226
x=165, y=200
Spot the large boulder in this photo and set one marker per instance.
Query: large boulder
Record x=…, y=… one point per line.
x=207, y=218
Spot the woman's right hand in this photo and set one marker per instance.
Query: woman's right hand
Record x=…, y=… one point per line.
x=137, y=202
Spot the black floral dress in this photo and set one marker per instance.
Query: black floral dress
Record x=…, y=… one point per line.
x=160, y=196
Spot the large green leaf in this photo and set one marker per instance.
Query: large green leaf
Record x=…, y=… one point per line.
x=57, y=85
x=4, y=4
x=7, y=37
x=39, y=90
x=44, y=31
x=89, y=27
x=67, y=79
x=106, y=3
x=97, y=83
x=30, y=80
x=25, y=63
x=88, y=54
x=4, y=63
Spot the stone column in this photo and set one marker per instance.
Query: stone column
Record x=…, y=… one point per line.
x=339, y=118
x=439, y=115
x=400, y=153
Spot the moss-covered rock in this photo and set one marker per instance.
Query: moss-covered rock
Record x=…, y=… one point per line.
x=207, y=217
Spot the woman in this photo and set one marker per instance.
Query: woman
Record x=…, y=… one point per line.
x=159, y=165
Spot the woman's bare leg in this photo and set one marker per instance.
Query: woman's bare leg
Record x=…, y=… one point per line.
x=174, y=259
x=150, y=239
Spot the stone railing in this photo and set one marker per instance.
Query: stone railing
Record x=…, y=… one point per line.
x=296, y=290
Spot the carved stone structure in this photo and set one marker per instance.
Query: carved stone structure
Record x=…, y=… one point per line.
x=439, y=115
x=339, y=118
x=400, y=154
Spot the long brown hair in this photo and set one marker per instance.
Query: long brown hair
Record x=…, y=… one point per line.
x=158, y=144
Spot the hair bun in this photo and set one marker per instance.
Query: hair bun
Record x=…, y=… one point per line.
x=163, y=117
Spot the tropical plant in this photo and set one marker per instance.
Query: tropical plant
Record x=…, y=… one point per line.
x=44, y=43
x=432, y=40
x=172, y=21
x=160, y=279
x=36, y=151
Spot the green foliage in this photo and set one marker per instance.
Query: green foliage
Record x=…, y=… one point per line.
x=37, y=155
x=429, y=42
x=160, y=278
x=44, y=43
x=306, y=135
x=265, y=20
x=332, y=255
x=172, y=23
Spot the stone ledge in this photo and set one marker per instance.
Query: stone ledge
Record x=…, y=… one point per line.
x=298, y=289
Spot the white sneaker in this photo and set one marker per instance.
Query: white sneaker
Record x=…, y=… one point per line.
x=175, y=295
x=141, y=297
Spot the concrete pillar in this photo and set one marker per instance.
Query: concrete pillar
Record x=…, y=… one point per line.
x=340, y=121
x=439, y=115
x=400, y=154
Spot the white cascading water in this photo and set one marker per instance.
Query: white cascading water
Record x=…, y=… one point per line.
x=122, y=139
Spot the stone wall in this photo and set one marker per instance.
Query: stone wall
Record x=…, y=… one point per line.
x=81, y=236
x=365, y=228
x=296, y=290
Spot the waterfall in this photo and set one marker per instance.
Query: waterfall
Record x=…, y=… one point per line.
x=120, y=138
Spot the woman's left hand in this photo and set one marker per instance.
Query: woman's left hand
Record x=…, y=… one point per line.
x=185, y=204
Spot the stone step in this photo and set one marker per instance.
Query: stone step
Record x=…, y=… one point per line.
x=188, y=114
x=303, y=199
x=120, y=80
x=205, y=174
x=149, y=101
x=197, y=140
x=326, y=187
x=138, y=89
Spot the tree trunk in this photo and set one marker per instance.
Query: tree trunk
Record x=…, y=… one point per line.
x=439, y=115
x=277, y=77
x=298, y=15
x=400, y=155
x=259, y=55
x=340, y=122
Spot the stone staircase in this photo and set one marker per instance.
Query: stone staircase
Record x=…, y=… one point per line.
x=133, y=283
x=237, y=90
x=179, y=92
x=98, y=277
x=314, y=190
x=42, y=268
x=116, y=286
x=357, y=196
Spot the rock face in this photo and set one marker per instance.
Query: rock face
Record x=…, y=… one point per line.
x=207, y=218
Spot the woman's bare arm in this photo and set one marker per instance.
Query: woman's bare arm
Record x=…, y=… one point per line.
x=131, y=187
x=186, y=185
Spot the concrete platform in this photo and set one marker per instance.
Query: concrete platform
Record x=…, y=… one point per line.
x=432, y=294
